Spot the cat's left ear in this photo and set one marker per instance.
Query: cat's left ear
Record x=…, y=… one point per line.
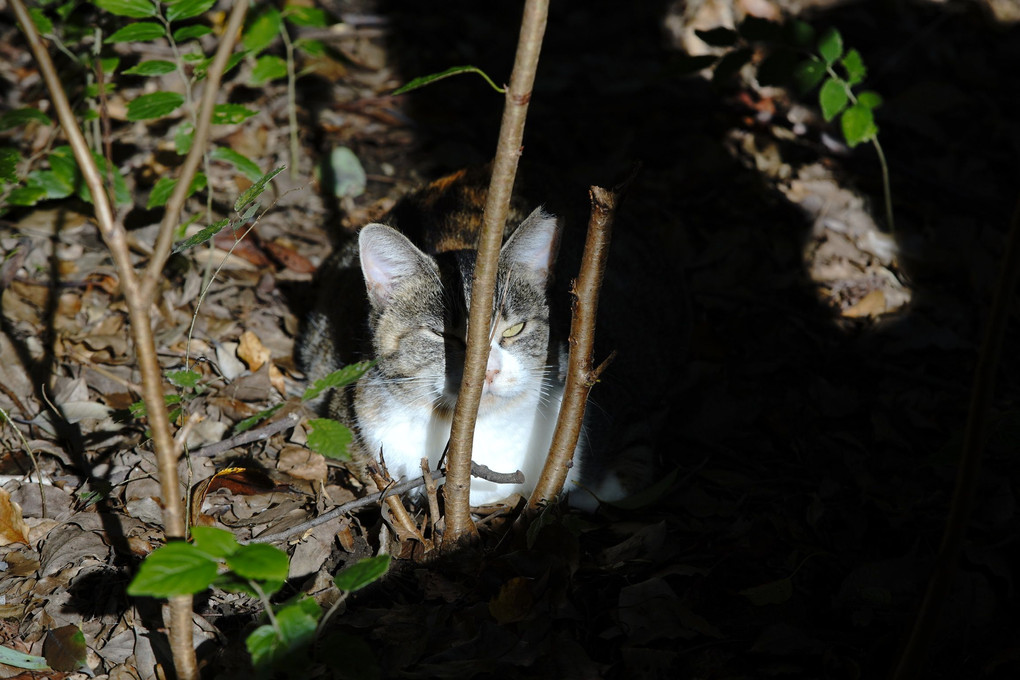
x=531, y=249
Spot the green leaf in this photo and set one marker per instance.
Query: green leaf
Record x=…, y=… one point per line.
x=310, y=17
x=255, y=190
x=202, y=64
x=136, y=9
x=799, y=33
x=26, y=196
x=138, y=409
x=251, y=421
x=298, y=621
x=345, y=376
x=297, y=624
x=833, y=98
x=185, y=378
x=362, y=573
x=854, y=65
x=858, y=125
x=329, y=438
x=718, y=37
x=9, y=159
x=214, y=542
x=226, y=114
x=349, y=178
x=182, y=138
x=808, y=74
x=268, y=67
x=201, y=237
x=869, y=99
x=63, y=164
x=12, y=657
x=23, y=116
x=121, y=193
x=316, y=48
x=730, y=64
x=155, y=67
x=263, y=645
x=262, y=31
x=141, y=31
x=188, y=32
x=456, y=70
x=830, y=46
x=55, y=185
x=155, y=105
x=247, y=167
x=260, y=562
x=175, y=569
x=165, y=186
x=41, y=21
x=186, y=9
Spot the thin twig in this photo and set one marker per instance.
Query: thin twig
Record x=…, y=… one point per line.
x=580, y=375
x=31, y=455
x=264, y=432
x=911, y=663
x=497, y=204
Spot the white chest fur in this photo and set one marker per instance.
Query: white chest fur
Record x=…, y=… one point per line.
x=505, y=440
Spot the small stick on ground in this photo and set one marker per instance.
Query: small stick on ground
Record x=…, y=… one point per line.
x=431, y=494
x=580, y=374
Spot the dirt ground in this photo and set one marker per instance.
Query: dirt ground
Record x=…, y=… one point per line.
x=798, y=372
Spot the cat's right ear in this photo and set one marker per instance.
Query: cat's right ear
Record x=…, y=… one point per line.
x=388, y=258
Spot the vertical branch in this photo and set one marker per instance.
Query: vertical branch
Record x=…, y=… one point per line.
x=497, y=204
x=138, y=293
x=580, y=374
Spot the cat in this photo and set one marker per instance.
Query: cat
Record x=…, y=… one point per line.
x=399, y=293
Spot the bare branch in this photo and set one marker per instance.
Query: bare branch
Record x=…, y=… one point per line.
x=580, y=375
x=497, y=204
x=264, y=432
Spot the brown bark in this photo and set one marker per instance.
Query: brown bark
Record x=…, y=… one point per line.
x=457, y=489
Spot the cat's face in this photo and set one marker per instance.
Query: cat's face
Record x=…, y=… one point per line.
x=419, y=309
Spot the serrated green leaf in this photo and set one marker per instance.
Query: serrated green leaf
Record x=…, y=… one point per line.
x=854, y=65
x=154, y=105
x=262, y=31
x=214, y=542
x=136, y=9
x=26, y=196
x=456, y=70
x=164, y=186
x=227, y=114
x=833, y=98
x=315, y=48
x=869, y=99
x=188, y=32
x=53, y=184
x=186, y=9
x=718, y=37
x=251, y=421
x=154, y=67
x=808, y=74
x=309, y=17
x=175, y=569
x=297, y=623
x=260, y=562
x=9, y=159
x=830, y=46
x=362, y=573
x=201, y=237
x=23, y=116
x=41, y=21
x=858, y=124
x=298, y=620
x=185, y=378
x=247, y=167
x=182, y=138
x=329, y=438
x=347, y=375
x=268, y=67
x=12, y=657
x=730, y=64
x=263, y=645
x=141, y=31
x=255, y=190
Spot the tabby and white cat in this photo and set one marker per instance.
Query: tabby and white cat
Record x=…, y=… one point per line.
x=418, y=278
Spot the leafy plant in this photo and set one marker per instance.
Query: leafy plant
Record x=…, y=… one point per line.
x=795, y=55
x=216, y=559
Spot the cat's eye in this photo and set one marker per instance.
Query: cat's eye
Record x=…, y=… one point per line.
x=514, y=330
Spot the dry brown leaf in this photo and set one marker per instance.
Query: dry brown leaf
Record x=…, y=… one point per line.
x=513, y=603
x=299, y=462
x=872, y=304
x=252, y=352
x=12, y=526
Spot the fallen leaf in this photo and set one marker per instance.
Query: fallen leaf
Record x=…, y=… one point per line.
x=252, y=352
x=872, y=304
x=513, y=603
x=12, y=526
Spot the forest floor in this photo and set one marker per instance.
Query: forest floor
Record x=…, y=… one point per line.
x=800, y=372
